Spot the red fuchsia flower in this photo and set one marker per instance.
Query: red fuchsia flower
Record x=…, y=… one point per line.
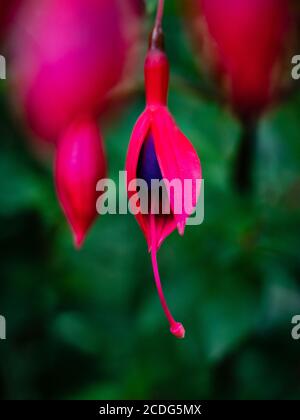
x=159, y=151
x=246, y=45
x=67, y=56
x=79, y=164
x=245, y=42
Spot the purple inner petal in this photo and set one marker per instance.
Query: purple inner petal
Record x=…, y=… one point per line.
x=148, y=167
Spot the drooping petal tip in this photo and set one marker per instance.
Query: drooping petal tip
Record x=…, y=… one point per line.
x=181, y=228
x=79, y=238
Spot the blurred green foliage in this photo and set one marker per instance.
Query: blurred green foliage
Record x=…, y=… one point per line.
x=89, y=325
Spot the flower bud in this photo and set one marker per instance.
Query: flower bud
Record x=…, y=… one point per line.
x=67, y=56
x=245, y=43
x=80, y=163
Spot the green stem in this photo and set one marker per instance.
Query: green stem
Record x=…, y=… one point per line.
x=243, y=171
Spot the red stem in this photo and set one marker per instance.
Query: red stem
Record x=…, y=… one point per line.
x=156, y=38
x=159, y=14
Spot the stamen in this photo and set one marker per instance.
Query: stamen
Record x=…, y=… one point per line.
x=176, y=328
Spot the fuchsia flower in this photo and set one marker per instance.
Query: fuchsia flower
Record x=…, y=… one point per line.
x=246, y=45
x=80, y=163
x=67, y=56
x=158, y=150
x=246, y=42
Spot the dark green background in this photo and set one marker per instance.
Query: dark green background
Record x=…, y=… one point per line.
x=89, y=324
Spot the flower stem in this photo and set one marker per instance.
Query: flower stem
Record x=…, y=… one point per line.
x=159, y=13
x=157, y=38
x=243, y=176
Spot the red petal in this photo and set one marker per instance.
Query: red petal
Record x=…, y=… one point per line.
x=177, y=159
x=164, y=224
x=137, y=139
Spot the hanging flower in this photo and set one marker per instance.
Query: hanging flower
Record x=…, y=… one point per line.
x=67, y=56
x=159, y=151
x=80, y=163
x=245, y=42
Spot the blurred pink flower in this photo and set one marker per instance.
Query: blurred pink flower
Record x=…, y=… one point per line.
x=80, y=163
x=67, y=56
x=245, y=42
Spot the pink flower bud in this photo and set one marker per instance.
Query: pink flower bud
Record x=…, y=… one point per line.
x=67, y=56
x=245, y=42
x=80, y=163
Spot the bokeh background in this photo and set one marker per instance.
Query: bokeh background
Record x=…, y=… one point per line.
x=88, y=325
